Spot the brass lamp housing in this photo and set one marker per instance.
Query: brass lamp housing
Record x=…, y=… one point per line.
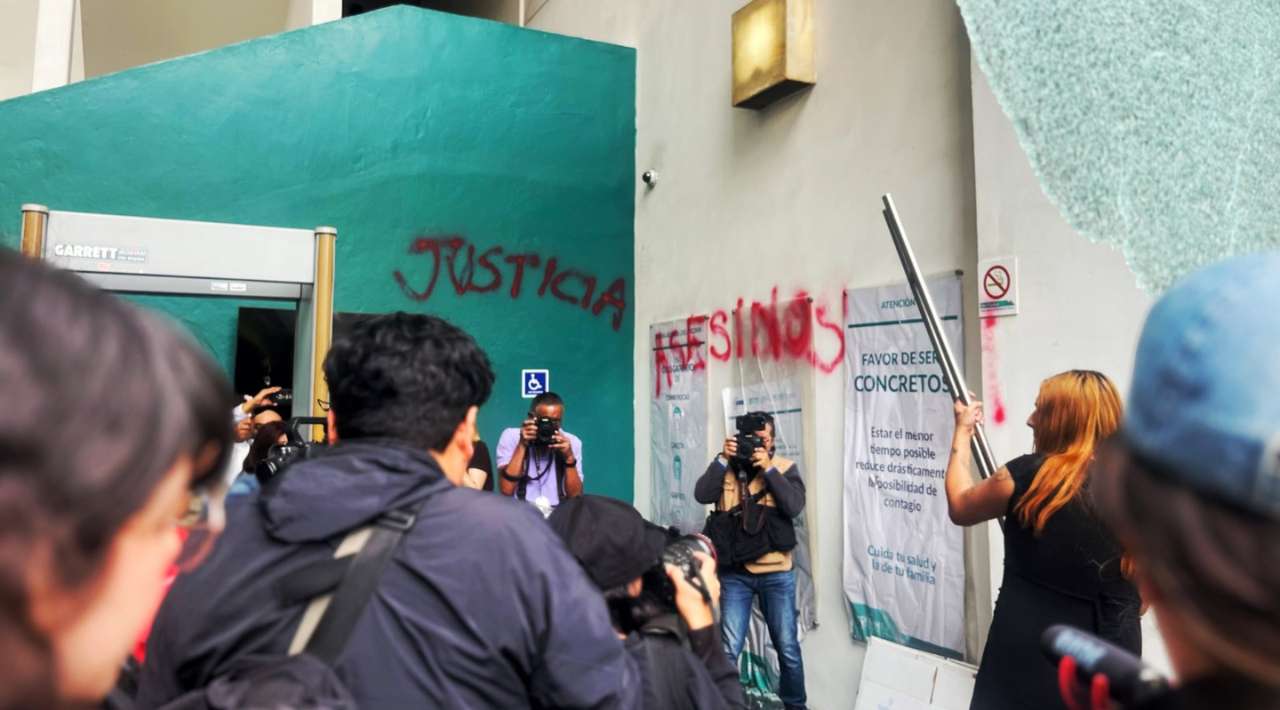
x=772, y=51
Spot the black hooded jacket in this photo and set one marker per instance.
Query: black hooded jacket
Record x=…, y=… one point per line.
x=481, y=605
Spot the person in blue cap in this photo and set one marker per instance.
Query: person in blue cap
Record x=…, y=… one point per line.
x=1192, y=484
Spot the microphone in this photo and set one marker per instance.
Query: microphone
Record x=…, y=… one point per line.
x=1130, y=681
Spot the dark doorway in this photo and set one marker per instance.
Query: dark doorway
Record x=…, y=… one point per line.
x=500, y=10
x=264, y=351
x=264, y=348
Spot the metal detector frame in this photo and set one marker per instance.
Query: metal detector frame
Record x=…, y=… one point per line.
x=237, y=261
x=951, y=374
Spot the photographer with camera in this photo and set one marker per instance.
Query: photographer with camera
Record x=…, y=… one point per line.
x=436, y=561
x=757, y=494
x=248, y=417
x=541, y=462
x=268, y=437
x=661, y=590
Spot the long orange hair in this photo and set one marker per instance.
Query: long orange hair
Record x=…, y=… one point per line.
x=1075, y=411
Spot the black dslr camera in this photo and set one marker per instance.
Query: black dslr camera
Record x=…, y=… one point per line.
x=656, y=608
x=748, y=440
x=547, y=429
x=679, y=552
x=296, y=448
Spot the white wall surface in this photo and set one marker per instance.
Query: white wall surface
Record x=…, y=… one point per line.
x=119, y=34
x=17, y=46
x=791, y=197
x=1080, y=305
x=125, y=33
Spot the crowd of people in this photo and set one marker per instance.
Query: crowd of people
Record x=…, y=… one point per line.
x=391, y=569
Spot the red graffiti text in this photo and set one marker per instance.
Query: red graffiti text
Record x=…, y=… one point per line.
x=474, y=271
x=798, y=330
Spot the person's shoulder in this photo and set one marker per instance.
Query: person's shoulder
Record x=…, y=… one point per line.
x=573, y=438
x=488, y=514
x=507, y=442
x=1025, y=466
x=508, y=434
x=509, y=532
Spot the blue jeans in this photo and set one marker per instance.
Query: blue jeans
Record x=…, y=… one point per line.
x=777, y=591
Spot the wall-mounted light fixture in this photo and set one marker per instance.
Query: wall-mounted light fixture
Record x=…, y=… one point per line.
x=772, y=51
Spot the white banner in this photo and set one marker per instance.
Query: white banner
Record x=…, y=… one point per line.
x=903, y=558
x=677, y=423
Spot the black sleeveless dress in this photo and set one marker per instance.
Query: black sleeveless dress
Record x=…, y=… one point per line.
x=1069, y=574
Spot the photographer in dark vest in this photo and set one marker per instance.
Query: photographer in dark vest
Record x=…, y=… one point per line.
x=757, y=494
x=540, y=462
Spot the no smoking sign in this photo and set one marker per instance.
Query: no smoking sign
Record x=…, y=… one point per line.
x=998, y=287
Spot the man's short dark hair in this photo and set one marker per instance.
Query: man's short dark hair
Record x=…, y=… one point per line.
x=549, y=399
x=405, y=377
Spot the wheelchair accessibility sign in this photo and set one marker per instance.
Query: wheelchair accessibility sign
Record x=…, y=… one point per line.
x=534, y=383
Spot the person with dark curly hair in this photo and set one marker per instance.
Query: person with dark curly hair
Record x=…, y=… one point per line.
x=404, y=393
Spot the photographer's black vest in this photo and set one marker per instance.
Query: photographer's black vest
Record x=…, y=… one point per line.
x=747, y=529
x=558, y=462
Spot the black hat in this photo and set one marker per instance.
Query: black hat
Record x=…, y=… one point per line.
x=609, y=538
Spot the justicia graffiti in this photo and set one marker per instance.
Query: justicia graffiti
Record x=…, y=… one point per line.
x=471, y=270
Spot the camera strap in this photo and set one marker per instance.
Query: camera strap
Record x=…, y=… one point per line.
x=552, y=461
x=749, y=506
x=668, y=625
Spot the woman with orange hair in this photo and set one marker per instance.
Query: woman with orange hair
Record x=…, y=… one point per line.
x=1061, y=565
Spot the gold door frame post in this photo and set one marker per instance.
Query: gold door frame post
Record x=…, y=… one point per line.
x=322, y=322
x=35, y=223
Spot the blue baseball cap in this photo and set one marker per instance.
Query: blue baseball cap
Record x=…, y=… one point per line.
x=1205, y=402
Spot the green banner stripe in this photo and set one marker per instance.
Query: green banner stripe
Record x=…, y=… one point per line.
x=865, y=621
x=776, y=411
x=877, y=324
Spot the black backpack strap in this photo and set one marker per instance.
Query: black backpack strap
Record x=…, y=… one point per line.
x=312, y=580
x=666, y=676
x=668, y=625
x=358, y=584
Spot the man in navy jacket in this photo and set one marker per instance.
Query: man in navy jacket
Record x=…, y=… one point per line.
x=481, y=605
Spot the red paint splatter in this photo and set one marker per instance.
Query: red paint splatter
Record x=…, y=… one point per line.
x=793, y=330
x=991, y=371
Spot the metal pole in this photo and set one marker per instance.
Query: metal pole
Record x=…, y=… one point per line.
x=322, y=325
x=35, y=224
x=954, y=378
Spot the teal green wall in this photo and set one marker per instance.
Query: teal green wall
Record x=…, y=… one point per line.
x=390, y=126
x=211, y=320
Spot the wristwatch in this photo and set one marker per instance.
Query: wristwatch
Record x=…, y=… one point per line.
x=508, y=477
x=570, y=464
